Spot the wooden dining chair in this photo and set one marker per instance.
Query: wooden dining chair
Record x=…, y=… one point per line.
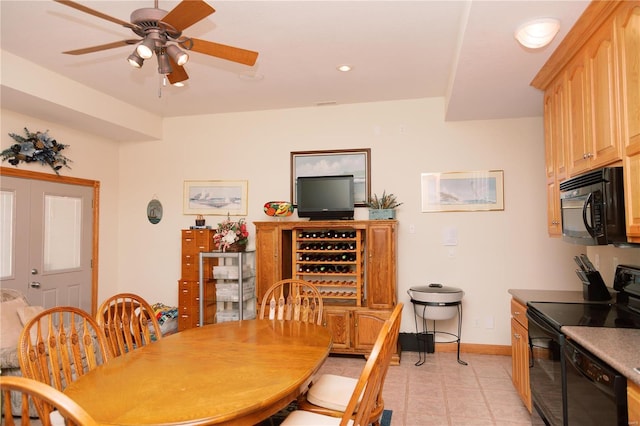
x=53, y=407
x=128, y=322
x=60, y=344
x=331, y=395
x=292, y=300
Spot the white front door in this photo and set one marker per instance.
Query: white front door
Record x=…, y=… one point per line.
x=46, y=241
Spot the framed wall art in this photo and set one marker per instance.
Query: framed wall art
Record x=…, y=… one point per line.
x=463, y=191
x=356, y=162
x=215, y=197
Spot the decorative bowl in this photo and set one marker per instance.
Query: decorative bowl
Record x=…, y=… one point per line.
x=278, y=208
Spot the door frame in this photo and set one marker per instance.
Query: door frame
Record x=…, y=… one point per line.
x=28, y=174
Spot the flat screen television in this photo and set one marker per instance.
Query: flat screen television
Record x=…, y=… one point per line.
x=325, y=197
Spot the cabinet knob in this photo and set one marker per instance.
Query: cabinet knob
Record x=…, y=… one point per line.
x=517, y=336
x=516, y=313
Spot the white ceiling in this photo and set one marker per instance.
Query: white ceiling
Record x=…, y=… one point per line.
x=462, y=50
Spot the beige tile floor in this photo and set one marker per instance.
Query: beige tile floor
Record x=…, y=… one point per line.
x=442, y=392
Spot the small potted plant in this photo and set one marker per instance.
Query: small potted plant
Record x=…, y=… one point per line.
x=383, y=207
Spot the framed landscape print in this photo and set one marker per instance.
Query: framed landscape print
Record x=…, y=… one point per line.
x=356, y=162
x=463, y=191
x=215, y=197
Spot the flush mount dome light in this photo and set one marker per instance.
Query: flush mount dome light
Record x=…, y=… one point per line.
x=537, y=33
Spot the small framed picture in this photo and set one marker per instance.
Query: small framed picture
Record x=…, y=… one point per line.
x=215, y=197
x=463, y=191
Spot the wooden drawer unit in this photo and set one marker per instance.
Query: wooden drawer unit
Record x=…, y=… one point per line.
x=519, y=313
x=195, y=241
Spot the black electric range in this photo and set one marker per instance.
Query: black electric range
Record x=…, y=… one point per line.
x=569, y=385
x=621, y=312
x=612, y=315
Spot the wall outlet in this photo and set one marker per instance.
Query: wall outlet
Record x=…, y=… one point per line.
x=476, y=322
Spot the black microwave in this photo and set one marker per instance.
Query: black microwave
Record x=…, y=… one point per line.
x=592, y=208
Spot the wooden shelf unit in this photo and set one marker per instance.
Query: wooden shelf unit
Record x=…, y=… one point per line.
x=332, y=260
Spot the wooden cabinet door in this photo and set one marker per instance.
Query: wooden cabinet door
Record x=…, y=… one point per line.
x=268, y=260
x=633, y=402
x=520, y=361
x=381, y=265
x=339, y=322
x=366, y=326
x=555, y=143
x=628, y=32
x=578, y=117
x=605, y=139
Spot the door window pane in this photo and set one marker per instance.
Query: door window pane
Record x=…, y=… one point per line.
x=7, y=216
x=62, y=232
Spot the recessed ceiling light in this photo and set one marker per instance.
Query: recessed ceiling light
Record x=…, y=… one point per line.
x=344, y=68
x=537, y=33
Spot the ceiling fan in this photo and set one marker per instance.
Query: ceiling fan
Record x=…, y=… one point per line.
x=161, y=33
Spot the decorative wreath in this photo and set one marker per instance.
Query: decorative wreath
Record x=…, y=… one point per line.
x=38, y=146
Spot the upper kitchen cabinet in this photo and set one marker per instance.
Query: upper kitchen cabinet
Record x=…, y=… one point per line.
x=596, y=71
x=555, y=128
x=627, y=27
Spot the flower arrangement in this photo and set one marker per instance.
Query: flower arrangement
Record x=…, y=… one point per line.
x=229, y=233
x=38, y=146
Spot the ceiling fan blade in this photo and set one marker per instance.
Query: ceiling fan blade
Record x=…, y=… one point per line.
x=93, y=12
x=101, y=47
x=178, y=74
x=187, y=13
x=230, y=53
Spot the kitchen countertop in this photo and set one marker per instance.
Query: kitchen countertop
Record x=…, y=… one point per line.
x=618, y=347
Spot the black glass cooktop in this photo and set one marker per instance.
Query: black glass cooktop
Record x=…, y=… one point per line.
x=587, y=314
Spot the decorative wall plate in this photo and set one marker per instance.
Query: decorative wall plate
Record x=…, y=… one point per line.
x=154, y=211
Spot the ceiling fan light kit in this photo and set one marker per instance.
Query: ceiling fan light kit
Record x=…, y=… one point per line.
x=538, y=32
x=177, y=55
x=148, y=45
x=135, y=60
x=161, y=31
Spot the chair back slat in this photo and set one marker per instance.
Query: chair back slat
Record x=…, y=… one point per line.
x=128, y=322
x=297, y=300
x=60, y=344
x=45, y=399
x=372, y=378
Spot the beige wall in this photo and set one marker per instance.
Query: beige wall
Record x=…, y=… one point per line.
x=496, y=250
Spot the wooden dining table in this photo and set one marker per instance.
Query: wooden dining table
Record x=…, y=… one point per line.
x=237, y=372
